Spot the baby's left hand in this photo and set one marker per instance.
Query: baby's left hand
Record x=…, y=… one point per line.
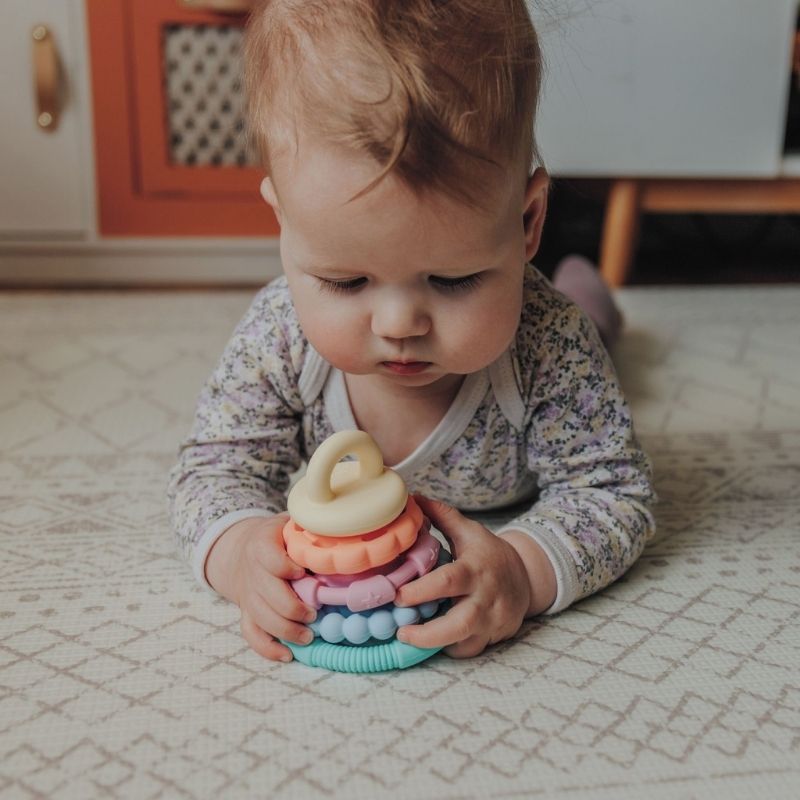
x=487, y=582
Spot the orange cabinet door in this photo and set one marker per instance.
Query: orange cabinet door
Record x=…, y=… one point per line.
x=170, y=151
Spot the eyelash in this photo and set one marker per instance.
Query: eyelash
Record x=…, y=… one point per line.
x=445, y=284
x=456, y=284
x=341, y=287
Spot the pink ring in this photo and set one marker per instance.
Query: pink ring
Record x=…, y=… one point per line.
x=374, y=590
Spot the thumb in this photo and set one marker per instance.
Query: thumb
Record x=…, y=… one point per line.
x=275, y=527
x=277, y=524
x=450, y=521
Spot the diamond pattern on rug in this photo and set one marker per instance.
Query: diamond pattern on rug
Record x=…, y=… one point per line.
x=120, y=678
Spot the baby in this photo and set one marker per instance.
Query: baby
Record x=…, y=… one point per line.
x=397, y=137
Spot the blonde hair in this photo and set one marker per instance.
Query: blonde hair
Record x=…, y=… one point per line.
x=435, y=91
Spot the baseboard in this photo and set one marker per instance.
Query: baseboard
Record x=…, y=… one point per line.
x=139, y=263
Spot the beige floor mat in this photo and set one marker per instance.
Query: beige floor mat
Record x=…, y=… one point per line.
x=120, y=678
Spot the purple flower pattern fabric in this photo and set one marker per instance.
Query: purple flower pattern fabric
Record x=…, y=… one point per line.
x=572, y=454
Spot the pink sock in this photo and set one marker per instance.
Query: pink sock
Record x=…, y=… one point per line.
x=578, y=279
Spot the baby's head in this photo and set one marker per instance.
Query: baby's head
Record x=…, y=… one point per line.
x=430, y=90
x=397, y=136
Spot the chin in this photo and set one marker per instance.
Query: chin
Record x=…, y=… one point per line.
x=424, y=379
x=415, y=381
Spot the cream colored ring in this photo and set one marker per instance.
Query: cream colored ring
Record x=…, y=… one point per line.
x=348, y=498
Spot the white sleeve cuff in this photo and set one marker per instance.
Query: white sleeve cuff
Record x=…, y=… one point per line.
x=561, y=560
x=214, y=531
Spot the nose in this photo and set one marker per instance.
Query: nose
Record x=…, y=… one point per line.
x=399, y=316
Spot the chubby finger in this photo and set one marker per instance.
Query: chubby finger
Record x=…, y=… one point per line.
x=274, y=624
x=275, y=559
x=449, y=580
x=458, y=624
x=260, y=641
x=284, y=600
x=450, y=521
x=470, y=647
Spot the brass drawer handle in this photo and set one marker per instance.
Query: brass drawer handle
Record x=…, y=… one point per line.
x=47, y=78
x=221, y=6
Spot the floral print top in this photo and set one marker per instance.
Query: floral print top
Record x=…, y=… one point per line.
x=546, y=425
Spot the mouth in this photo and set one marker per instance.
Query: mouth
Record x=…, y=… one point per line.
x=406, y=367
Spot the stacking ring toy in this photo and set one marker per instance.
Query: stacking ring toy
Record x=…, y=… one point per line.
x=360, y=535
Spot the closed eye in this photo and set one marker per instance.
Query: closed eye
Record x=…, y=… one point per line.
x=461, y=283
x=455, y=284
x=338, y=287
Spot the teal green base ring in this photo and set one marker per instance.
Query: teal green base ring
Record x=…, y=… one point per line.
x=368, y=658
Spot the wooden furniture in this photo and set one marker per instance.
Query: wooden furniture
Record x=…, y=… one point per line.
x=629, y=198
x=681, y=104
x=97, y=197
x=44, y=166
x=147, y=99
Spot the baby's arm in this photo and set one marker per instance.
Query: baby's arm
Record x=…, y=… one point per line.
x=243, y=445
x=494, y=582
x=592, y=518
x=229, y=482
x=248, y=565
x=588, y=527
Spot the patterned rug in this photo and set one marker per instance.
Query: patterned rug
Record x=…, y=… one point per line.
x=120, y=678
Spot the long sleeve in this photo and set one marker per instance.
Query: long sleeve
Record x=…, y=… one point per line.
x=244, y=443
x=592, y=515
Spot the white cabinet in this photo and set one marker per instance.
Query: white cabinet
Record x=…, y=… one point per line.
x=671, y=88
x=46, y=179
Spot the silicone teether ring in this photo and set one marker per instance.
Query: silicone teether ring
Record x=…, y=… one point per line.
x=368, y=658
x=352, y=554
x=336, y=624
x=348, y=498
x=375, y=590
x=318, y=478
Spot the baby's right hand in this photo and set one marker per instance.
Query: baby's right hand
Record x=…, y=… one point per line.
x=248, y=564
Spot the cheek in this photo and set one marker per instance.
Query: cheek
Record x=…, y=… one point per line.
x=333, y=335
x=485, y=331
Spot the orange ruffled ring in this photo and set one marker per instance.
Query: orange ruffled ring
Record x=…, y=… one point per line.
x=349, y=555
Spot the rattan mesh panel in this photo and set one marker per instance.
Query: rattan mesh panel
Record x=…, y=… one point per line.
x=205, y=100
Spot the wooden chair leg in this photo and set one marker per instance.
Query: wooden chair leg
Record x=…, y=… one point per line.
x=620, y=231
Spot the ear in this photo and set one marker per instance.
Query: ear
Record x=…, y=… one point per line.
x=271, y=196
x=534, y=210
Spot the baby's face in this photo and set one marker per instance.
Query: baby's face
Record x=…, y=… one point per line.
x=411, y=289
